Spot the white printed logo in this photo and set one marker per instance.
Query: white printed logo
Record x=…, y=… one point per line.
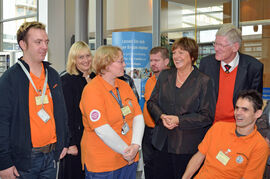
x=239, y=159
x=94, y=115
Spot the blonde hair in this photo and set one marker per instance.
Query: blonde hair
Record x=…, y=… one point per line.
x=104, y=56
x=232, y=33
x=73, y=54
x=25, y=27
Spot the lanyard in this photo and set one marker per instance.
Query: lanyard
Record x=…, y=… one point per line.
x=30, y=79
x=118, y=99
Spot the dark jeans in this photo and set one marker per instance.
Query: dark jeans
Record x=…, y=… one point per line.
x=148, y=153
x=43, y=166
x=170, y=166
x=126, y=172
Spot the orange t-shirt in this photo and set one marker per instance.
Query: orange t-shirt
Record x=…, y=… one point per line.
x=41, y=133
x=224, y=106
x=98, y=108
x=149, y=86
x=247, y=154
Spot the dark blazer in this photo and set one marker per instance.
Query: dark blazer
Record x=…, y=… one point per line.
x=72, y=87
x=193, y=103
x=249, y=73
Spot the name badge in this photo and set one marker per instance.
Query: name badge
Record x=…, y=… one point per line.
x=125, y=129
x=39, y=102
x=223, y=158
x=125, y=110
x=44, y=115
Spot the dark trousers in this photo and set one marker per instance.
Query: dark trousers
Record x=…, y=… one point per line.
x=43, y=166
x=70, y=167
x=148, y=153
x=170, y=166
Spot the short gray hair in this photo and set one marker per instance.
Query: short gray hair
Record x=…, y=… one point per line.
x=232, y=33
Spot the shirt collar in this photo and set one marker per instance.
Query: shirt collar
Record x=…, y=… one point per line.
x=234, y=63
x=107, y=85
x=232, y=132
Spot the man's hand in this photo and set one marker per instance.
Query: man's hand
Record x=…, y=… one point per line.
x=130, y=153
x=9, y=173
x=72, y=150
x=63, y=153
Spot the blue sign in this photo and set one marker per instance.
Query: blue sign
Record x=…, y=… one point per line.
x=136, y=47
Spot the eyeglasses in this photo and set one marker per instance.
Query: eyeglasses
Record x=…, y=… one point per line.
x=120, y=61
x=220, y=45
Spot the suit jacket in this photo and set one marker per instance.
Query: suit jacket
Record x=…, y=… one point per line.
x=193, y=103
x=249, y=73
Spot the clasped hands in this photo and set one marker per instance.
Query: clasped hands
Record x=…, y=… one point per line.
x=130, y=153
x=169, y=121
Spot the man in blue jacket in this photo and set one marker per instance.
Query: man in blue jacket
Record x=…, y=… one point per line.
x=33, y=122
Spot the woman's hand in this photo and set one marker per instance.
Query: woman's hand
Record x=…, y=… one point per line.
x=72, y=150
x=130, y=153
x=170, y=121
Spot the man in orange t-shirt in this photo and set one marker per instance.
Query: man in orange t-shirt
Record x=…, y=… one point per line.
x=159, y=60
x=233, y=150
x=33, y=125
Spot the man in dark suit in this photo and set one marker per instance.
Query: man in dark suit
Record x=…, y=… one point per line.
x=231, y=71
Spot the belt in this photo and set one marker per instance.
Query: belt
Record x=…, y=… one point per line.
x=45, y=149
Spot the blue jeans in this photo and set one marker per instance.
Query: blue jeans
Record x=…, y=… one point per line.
x=43, y=166
x=126, y=172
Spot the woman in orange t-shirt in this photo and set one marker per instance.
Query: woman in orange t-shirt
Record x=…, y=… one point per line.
x=112, y=118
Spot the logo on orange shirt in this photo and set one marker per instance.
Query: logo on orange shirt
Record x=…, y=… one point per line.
x=94, y=115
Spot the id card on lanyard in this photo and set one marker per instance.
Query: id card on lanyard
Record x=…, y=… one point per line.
x=42, y=99
x=125, y=110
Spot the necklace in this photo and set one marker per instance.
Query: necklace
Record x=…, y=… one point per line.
x=178, y=78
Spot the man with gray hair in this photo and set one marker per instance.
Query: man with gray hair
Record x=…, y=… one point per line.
x=231, y=71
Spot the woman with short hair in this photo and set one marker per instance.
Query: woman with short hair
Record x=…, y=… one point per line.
x=112, y=118
x=182, y=106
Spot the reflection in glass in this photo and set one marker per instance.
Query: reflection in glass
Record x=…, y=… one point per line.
x=9, y=34
x=17, y=8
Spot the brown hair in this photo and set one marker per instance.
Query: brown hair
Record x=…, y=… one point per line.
x=164, y=52
x=25, y=27
x=104, y=56
x=188, y=45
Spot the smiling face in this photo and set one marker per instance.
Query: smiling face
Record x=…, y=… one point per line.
x=181, y=59
x=245, y=115
x=35, y=47
x=116, y=69
x=225, y=51
x=83, y=60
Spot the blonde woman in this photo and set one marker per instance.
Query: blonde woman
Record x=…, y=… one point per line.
x=78, y=74
x=112, y=119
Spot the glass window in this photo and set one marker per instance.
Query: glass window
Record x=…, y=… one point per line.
x=183, y=18
x=255, y=26
x=9, y=34
x=92, y=24
x=16, y=8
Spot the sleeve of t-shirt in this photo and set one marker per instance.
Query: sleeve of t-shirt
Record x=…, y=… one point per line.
x=92, y=106
x=204, y=145
x=257, y=162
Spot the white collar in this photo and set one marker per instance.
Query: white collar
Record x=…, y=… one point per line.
x=234, y=63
